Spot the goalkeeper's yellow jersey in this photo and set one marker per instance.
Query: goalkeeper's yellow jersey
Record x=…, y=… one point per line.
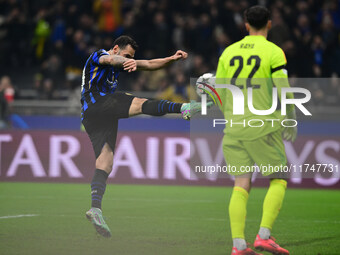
x=257, y=63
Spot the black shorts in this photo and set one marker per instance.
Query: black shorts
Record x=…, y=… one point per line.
x=101, y=119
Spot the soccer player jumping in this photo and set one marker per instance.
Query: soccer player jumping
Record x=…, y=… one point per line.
x=102, y=107
x=255, y=63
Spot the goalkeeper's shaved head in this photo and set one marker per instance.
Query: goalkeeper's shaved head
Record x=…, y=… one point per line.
x=257, y=16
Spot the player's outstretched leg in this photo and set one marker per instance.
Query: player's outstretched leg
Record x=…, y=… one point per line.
x=162, y=107
x=190, y=109
x=271, y=207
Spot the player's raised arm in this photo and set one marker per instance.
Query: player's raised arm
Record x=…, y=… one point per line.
x=119, y=62
x=158, y=63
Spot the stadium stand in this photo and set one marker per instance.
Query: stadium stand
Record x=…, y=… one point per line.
x=44, y=44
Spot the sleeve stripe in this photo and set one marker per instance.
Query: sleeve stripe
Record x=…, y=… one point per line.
x=278, y=68
x=98, y=54
x=95, y=58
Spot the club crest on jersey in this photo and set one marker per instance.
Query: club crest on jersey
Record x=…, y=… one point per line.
x=112, y=84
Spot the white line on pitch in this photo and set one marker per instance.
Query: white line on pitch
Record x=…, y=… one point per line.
x=18, y=216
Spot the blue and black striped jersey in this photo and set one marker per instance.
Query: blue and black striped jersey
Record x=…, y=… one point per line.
x=97, y=80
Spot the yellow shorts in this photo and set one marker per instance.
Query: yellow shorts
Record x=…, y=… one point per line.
x=268, y=152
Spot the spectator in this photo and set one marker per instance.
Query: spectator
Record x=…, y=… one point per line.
x=6, y=99
x=3, y=111
x=55, y=38
x=7, y=88
x=41, y=33
x=160, y=39
x=52, y=69
x=279, y=34
x=180, y=92
x=46, y=92
x=109, y=14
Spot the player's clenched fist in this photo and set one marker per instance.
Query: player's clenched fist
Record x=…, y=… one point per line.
x=180, y=54
x=130, y=65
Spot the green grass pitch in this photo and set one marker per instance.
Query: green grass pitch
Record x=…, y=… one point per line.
x=157, y=220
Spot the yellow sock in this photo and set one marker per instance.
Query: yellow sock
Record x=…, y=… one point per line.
x=273, y=202
x=238, y=212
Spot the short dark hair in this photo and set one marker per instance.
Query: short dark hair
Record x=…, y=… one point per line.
x=124, y=40
x=257, y=16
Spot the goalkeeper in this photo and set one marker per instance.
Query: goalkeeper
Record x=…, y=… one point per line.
x=259, y=64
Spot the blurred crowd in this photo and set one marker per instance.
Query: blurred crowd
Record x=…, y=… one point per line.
x=44, y=44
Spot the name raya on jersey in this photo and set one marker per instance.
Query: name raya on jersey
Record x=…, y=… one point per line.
x=97, y=80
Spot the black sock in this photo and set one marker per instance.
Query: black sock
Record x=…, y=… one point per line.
x=160, y=107
x=98, y=186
